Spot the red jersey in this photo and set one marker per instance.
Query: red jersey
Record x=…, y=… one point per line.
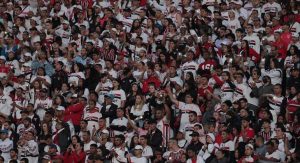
x=208, y=64
x=292, y=107
x=74, y=113
x=151, y=79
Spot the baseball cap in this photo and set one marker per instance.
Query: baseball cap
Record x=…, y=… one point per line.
x=212, y=136
x=138, y=147
x=3, y=57
x=104, y=131
x=74, y=95
x=250, y=146
x=111, y=96
x=60, y=108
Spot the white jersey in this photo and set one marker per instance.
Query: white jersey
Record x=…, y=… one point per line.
x=227, y=146
x=147, y=151
x=65, y=35
x=275, y=103
x=19, y=102
x=187, y=130
x=119, y=122
x=103, y=88
x=253, y=41
x=41, y=105
x=185, y=110
x=5, y=147
x=74, y=78
x=199, y=160
x=207, y=153
x=121, y=154
x=274, y=74
x=86, y=146
x=47, y=78
x=233, y=25
x=271, y=7
x=140, y=112
x=119, y=96
x=92, y=119
x=295, y=27
x=138, y=160
x=190, y=67
x=30, y=151
x=226, y=92
x=240, y=91
x=5, y=105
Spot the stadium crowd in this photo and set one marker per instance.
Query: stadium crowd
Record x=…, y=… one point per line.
x=149, y=81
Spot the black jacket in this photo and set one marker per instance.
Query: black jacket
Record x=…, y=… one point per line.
x=155, y=139
x=58, y=78
x=110, y=112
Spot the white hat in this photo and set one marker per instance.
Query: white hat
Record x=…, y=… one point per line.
x=278, y=30
x=110, y=40
x=43, y=8
x=60, y=108
x=142, y=49
x=250, y=146
x=105, y=131
x=27, y=54
x=9, y=3
x=26, y=64
x=212, y=136
x=65, y=22
x=115, y=30
x=3, y=57
x=238, y=2
x=36, y=39
x=74, y=95
x=78, y=6
x=138, y=147
x=295, y=34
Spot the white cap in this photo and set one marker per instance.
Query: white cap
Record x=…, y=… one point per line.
x=43, y=8
x=105, y=131
x=9, y=3
x=115, y=30
x=295, y=34
x=250, y=146
x=75, y=95
x=3, y=57
x=238, y=2
x=278, y=30
x=60, y=108
x=65, y=22
x=26, y=64
x=27, y=54
x=110, y=40
x=212, y=136
x=143, y=49
x=36, y=39
x=138, y=147
x=78, y=6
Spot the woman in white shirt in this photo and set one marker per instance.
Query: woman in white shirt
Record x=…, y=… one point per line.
x=77, y=73
x=42, y=77
x=139, y=109
x=273, y=72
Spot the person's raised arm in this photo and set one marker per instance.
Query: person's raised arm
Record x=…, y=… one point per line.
x=172, y=98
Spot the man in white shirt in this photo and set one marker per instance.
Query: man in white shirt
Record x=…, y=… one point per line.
x=138, y=158
x=5, y=103
x=185, y=108
x=272, y=154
